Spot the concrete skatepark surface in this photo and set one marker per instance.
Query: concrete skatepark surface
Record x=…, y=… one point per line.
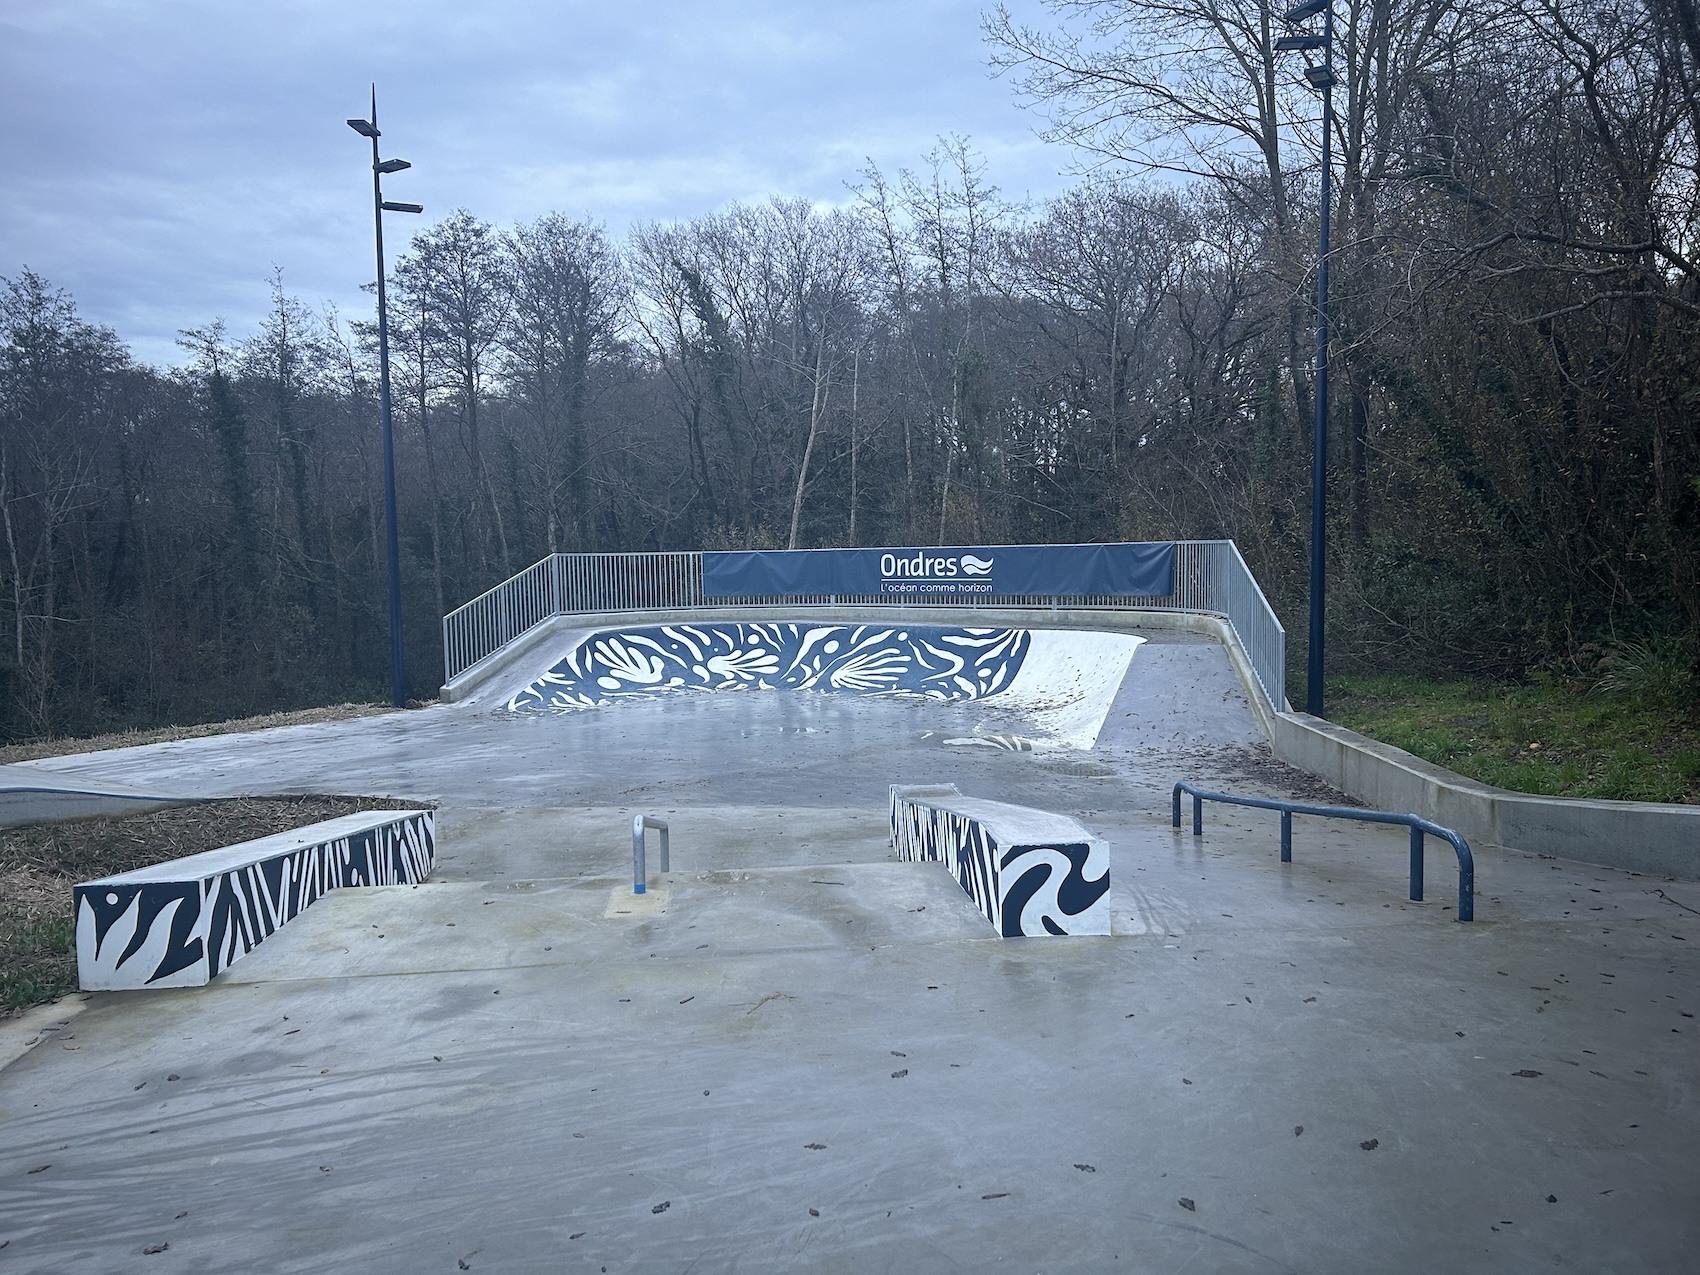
x=795, y=1053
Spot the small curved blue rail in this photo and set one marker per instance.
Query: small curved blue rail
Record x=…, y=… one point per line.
x=1417, y=825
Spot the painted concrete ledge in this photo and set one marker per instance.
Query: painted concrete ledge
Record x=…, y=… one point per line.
x=180, y=923
x=1030, y=872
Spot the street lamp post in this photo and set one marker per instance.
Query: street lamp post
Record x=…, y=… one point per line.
x=369, y=129
x=1320, y=78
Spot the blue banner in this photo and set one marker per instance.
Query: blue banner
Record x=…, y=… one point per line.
x=1116, y=571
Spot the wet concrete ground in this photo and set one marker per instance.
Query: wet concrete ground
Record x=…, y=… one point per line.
x=798, y=1054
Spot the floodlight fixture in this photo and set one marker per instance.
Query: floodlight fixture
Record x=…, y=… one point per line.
x=1320, y=77
x=1309, y=9
x=1301, y=43
x=369, y=129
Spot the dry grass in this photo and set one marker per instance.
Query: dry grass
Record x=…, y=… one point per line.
x=41, y=862
x=38, y=749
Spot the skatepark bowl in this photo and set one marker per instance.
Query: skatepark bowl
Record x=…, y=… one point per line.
x=795, y=1052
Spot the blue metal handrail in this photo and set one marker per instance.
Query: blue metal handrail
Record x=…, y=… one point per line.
x=1417, y=825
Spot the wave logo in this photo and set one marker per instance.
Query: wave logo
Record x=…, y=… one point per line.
x=972, y=566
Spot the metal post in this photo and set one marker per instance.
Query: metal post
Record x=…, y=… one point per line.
x=639, y=873
x=1416, y=864
x=1286, y=836
x=1319, y=433
x=1198, y=816
x=398, y=679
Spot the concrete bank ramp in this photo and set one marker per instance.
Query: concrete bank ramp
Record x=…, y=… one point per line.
x=1053, y=687
x=1179, y=696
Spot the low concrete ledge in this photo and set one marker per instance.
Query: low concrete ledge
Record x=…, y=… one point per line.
x=29, y=795
x=177, y=924
x=1029, y=871
x=1662, y=840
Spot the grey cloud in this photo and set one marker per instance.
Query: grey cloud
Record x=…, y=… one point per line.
x=165, y=156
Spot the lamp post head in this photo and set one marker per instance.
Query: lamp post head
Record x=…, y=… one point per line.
x=1309, y=9
x=1300, y=43
x=393, y=166
x=365, y=128
x=390, y=206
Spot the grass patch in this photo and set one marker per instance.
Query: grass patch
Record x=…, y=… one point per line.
x=1557, y=739
x=39, y=863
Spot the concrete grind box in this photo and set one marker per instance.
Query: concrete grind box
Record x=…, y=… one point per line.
x=177, y=924
x=1029, y=872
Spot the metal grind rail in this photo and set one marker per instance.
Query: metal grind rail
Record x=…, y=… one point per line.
x=1418, y=826
x=639, y=875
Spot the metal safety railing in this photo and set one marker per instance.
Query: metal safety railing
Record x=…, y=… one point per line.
x=1210, y=578
x=640, y=877
x=1416, y=823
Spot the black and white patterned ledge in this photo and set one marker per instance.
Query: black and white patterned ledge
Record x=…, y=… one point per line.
x=177, y=924
x=1029, y=871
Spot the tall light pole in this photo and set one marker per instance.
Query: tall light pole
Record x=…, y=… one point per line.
x=369, y=128
x=1320, y=78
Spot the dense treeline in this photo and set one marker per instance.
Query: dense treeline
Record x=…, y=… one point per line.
x=1516, y=467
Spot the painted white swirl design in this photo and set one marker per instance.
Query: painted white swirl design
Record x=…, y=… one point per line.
x=940, y=663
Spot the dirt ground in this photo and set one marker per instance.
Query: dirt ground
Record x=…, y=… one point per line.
x=41, y=862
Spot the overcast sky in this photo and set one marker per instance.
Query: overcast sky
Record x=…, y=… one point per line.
x=160, y=157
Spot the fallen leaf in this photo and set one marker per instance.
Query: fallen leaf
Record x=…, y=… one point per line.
x=1185, y=1081
x=898, y=1053
x=1526, y=1074
x=1187, y=1204
x=1371, y=1145
x=995, y=1195
x=814, y=1212
x=1310, y=1000
x=1552, y=1199
x=181, y=1216
x=898, y=1075
x=151, y=1249
x=814, y=1146
x=687, y=1000
x=173, y=1076
x=1086, y=1168
x=1298, y=1130
x=662, y=1207
x=578, y=1135
x=41, y=1168
x=576, y=1235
